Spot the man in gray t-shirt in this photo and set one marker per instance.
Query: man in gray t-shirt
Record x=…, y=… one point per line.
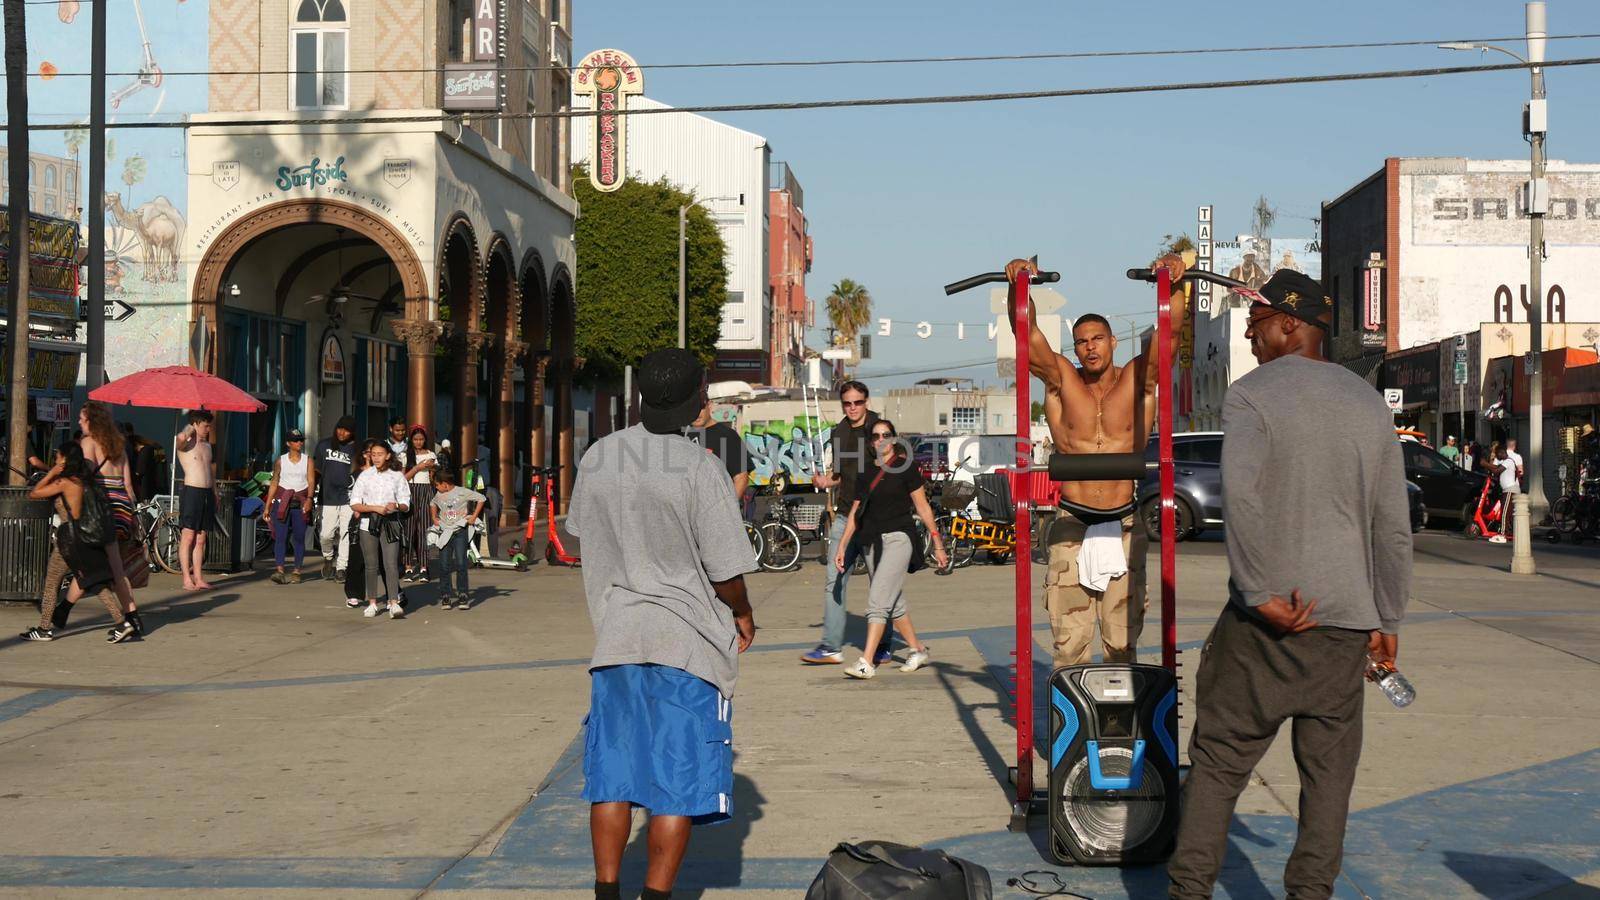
x=664, y=559
x=1319, y=558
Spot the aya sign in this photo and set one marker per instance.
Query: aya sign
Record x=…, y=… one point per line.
x=608, y=77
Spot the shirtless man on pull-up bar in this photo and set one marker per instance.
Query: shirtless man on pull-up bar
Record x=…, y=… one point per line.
x=1098, y=408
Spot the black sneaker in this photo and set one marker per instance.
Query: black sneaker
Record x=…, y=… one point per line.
x=447, y=602
x=463, y=601
x=120, y=633
x=38, y=634
x=138, y=623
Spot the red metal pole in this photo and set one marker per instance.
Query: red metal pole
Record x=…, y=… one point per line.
x=1022, y=494
x=1169, y=512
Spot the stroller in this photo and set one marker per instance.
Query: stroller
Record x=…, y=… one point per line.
x=1488, y=516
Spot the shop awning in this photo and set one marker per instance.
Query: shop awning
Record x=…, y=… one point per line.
x=1556, y=365
x=1579, y=386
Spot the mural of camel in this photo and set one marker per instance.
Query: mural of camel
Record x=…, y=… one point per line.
x=159, y=227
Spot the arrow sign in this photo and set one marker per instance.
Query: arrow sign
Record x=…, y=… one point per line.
x=116, y=311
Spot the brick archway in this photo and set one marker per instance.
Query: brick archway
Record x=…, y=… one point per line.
x=206, y=298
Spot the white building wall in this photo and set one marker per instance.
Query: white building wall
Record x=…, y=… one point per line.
x=1214, y=372
x=708, y=159
x=1462, y=238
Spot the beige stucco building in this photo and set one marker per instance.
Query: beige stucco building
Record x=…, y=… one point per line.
x=420, y=269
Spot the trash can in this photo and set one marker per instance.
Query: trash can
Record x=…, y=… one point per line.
x=222, y=547
x=24, y=545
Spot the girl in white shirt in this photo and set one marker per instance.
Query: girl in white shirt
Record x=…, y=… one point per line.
x=418, y=464
x=382, y=497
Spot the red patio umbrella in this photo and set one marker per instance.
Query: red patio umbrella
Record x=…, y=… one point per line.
x=177, y=387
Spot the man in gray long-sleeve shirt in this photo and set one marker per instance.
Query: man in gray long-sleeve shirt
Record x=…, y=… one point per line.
x=1319, y=552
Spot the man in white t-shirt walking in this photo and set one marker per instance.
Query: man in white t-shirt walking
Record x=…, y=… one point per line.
x=1510, y=475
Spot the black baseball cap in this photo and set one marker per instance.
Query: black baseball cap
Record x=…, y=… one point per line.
x=1296, y=294
x=295, y=434
x=672, y=387
x=348, y=423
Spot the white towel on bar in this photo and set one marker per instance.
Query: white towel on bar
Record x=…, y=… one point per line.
x=1101, y=559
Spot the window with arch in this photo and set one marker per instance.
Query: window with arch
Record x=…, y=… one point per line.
x=321, y=34
x=49, y=178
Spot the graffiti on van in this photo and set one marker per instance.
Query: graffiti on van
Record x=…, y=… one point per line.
x=782, y=448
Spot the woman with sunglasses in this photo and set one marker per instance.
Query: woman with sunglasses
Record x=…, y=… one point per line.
x=887, y=496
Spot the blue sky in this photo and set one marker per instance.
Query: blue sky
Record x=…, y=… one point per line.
x=906, y=199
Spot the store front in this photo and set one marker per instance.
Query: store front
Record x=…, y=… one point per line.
x=52, y=374
x=382, y=273
x=1415, y=373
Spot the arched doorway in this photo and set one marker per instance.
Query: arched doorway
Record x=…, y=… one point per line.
x=305, y=304
x=498, y=383
x=563, y=341
x=534, y=332
x=461, y=312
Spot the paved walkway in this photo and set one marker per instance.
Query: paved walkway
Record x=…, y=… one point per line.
x=265, y=737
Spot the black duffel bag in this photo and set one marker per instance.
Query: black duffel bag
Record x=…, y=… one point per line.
x=878, y=870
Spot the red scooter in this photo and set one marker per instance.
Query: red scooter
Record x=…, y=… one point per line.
x=1488, y=515
x=555, y=549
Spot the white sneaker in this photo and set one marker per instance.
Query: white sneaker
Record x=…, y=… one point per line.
x=1498, y=539
x=915, y=660
x=352, y=602
x=396, y=611
x=862, y=669
x=372, y=611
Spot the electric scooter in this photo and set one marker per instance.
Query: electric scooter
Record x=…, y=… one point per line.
x=1488, y=515
x=555, y=548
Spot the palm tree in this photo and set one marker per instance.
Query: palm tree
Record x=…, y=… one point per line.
x=849, y=310
x=16, y=53
x=133, y=172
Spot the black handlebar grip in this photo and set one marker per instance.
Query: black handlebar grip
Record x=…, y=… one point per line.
x=967, y=284
x=1142, y=274
x=1098, y=466
x=1043, y=277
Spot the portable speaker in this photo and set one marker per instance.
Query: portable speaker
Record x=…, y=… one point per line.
x=1113, y=764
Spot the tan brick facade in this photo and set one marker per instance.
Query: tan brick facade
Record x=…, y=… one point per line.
x=399, y=45
x=235, y=55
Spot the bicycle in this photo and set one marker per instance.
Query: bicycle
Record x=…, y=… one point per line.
x=780, y=535
x=964, y=536
x=1576, y=515
x=758, y=544
x=160, y=532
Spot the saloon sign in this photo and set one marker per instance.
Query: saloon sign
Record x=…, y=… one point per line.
x=608, y=77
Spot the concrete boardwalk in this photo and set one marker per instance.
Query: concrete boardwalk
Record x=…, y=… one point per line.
x=266, y=739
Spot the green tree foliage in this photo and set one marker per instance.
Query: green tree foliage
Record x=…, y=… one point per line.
x=1175, y=244
x=627, y=276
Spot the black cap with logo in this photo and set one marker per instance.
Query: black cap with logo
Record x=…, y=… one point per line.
x=672, y=390
x=1297, y=294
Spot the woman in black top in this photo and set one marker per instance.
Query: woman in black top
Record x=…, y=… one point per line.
x=887, y=495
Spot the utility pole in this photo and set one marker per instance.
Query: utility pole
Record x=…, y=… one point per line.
x=17, y=256
x=95, y=363
x=1535, y=123
x=683, y=277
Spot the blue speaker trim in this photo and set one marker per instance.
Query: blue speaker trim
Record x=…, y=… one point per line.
x=1163, y=735
x=1069, y=726
x=1129, y=782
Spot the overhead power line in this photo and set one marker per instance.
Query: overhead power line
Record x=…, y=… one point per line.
x=886, y=61
x=858, y=102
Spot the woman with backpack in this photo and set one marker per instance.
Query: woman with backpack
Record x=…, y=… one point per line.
x=106, y=454
x=888, y=494
x=80, y=545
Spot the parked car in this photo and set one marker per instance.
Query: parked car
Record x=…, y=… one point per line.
x=1448, y=491
x=1197, y=473
x=1197, y=487
x=1419, y=509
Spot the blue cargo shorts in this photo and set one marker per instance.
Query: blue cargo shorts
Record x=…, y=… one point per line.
x=659, y=738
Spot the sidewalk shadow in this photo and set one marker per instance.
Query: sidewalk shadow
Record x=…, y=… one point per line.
x=1511, y=876
x=93, y=617
x=715, y=859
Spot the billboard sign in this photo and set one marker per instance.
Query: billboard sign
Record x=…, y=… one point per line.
x=469, y=86
x=1246, y=259
x=608, y=77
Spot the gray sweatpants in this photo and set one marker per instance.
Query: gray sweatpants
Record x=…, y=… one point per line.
x=886, y=601
x=1250, y=680
x=373, y=550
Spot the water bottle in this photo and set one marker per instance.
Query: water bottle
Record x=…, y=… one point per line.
x=1394, y=685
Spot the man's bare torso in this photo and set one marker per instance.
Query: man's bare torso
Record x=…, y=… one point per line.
x=1098, y=417
x=197, y=465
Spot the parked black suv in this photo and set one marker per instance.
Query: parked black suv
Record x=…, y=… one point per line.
x=1448, y=491
x=1197, y=486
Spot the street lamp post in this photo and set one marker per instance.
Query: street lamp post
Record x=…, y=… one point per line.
x=683, y=264
x=1536, y=203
